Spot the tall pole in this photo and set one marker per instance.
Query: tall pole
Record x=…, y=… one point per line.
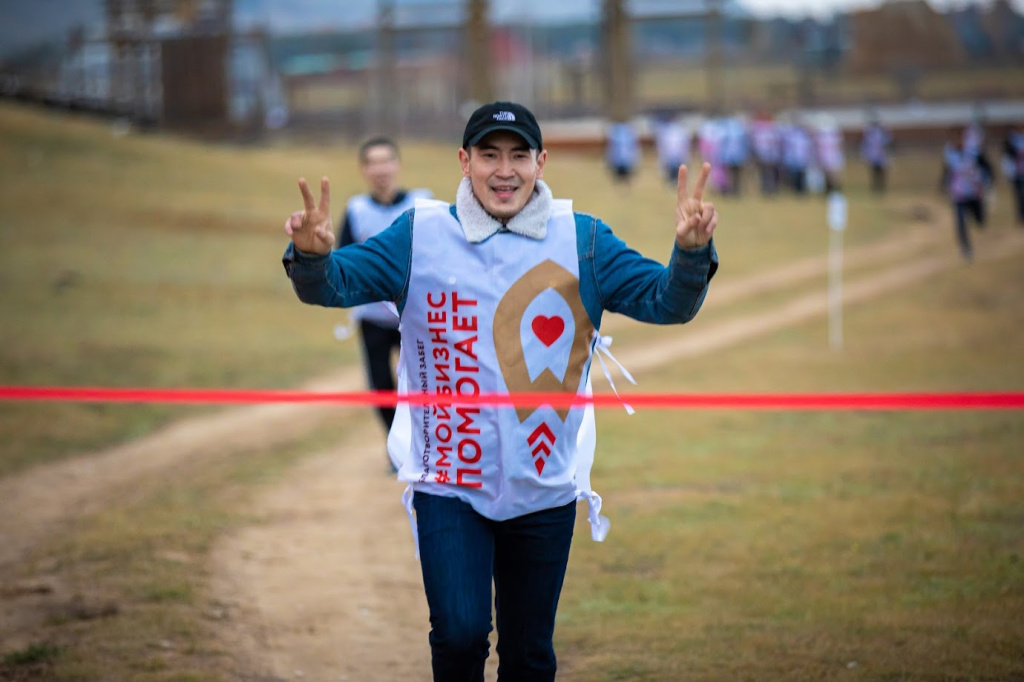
x=386, y=102
x=713, y=57
x=478, y=54
x=617, y=61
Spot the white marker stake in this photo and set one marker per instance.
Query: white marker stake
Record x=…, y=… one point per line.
x=836, y=224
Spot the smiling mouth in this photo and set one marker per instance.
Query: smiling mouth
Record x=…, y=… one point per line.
x=504, y=191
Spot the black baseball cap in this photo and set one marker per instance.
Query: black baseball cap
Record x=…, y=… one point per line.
x=502, y=116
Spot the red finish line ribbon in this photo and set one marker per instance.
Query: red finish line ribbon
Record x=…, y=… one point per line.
x=708, y=401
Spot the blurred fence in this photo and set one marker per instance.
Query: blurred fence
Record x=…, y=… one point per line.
x=413, y=73
x=422, y=66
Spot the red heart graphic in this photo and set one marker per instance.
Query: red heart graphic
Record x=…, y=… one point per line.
x=548, y=329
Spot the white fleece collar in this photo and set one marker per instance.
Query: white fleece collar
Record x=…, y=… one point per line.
x=478, y=224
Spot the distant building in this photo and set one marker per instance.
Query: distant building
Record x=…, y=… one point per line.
x=907, y=34
x=178, y=64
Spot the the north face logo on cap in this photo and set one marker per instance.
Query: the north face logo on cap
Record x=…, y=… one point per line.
x=504, y=116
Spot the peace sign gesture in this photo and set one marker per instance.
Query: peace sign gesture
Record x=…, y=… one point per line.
x=310, y=229
x=695, y=218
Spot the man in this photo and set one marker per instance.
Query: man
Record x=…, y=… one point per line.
x=797, y=149
x=365, y=216
x=623, y=151
x=672, y=143
x=500, y=293
x=764, y=135
x=874, y=149
x=734, y=150
x=966, y=176
x=828, y=146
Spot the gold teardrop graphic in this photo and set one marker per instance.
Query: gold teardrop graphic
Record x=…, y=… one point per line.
x=508, y=344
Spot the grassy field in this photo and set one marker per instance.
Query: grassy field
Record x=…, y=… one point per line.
x=740, y=87
x=745, y=545
x=779, y=85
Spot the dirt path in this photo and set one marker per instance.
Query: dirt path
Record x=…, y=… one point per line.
x=325, y=587
x=32, y=503
x=334, y=528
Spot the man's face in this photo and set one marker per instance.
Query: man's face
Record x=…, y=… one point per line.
x=503, y=171
x=379, y=167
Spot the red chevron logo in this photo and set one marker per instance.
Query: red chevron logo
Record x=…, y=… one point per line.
x=542, y=439
x=541, y=430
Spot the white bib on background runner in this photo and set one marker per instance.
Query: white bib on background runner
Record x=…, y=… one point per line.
x=498, y=317
x=368, y=220
x=965, y=180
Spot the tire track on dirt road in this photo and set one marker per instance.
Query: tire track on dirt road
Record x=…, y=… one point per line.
x=325, y=586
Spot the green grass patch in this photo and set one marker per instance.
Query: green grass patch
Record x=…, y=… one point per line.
x=33, y=654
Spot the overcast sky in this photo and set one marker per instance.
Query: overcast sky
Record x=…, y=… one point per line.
x=24, y=23
x=295, y=14
x=819, y=7
x=363, y=10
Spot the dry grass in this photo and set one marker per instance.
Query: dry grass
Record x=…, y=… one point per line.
x=145, y=261
x=874, y=546
x=776, y=546
x=741, y=86
x=779, y=85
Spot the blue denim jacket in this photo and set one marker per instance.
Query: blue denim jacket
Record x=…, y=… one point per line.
x=612, y=276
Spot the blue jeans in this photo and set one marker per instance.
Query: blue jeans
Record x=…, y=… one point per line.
x=460, y=553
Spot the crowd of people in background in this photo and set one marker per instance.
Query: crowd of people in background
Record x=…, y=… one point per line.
x=806, y=155
x=800, y=156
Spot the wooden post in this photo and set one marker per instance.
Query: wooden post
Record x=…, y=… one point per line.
x=617, y=61
x=478, y=54
x=713, y=58
x=386, y=100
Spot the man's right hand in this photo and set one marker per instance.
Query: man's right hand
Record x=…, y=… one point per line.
x=310, y=229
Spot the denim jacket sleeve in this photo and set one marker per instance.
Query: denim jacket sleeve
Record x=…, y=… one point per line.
x=376, y=270
x=626, y=282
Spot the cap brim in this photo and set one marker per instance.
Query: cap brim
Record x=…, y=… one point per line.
x=492, y=128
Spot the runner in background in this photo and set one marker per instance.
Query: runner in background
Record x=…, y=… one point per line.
x=828, y=144
x=709, y=142
x=966, y=176
x=672, y=141
x=797, y=154
x=874, y=150
x=365, y=216
x=734, y=151
x=623, y=153
x=767, y=146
